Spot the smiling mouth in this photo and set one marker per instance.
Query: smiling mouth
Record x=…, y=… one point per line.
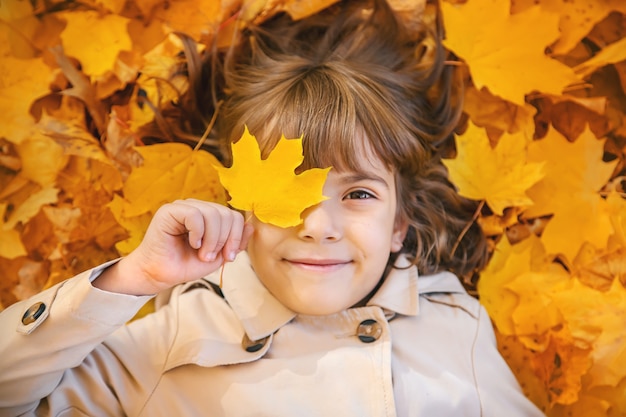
x=324, y=265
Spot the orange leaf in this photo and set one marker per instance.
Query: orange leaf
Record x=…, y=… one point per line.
x=485, y=109
x=561, y=366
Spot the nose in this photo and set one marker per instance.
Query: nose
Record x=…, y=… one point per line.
x=321, y=223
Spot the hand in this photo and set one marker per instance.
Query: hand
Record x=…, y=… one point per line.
x=186, y=240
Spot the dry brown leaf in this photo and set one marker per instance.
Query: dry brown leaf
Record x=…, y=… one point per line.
x=81, y=88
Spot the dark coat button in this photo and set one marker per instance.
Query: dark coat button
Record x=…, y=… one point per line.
x=369, y=331
x=33, y=313
x=253, y=345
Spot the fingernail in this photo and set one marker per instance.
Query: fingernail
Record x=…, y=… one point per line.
x=232, y=255
x=210, y=256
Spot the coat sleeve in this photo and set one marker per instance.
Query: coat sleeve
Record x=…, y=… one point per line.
x=46, y=338
x=499, y=391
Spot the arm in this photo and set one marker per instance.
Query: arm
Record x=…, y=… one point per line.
x=185, y=241
x=76, y=319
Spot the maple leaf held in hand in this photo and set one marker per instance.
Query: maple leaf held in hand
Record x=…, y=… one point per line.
x=269, y=187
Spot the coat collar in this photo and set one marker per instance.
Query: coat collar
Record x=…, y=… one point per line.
x=261, y=314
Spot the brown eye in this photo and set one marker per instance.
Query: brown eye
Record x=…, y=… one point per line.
x=359, y=195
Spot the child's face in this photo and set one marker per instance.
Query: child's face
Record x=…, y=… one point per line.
x=337, y=256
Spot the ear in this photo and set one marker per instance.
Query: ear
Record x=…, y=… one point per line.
x=399, y=233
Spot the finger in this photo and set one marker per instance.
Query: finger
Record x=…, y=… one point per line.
x=217, y=224
x=233, y=242
x=179, y=218
x=202, y=222
x=222, y=230
x=195, y=226
x=248, y=230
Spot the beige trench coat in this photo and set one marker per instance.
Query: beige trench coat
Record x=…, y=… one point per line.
x=421, y=347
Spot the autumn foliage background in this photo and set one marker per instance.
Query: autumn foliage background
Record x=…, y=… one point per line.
x=542, y=146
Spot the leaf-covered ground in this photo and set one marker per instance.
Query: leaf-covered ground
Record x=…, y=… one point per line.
x=542, y=145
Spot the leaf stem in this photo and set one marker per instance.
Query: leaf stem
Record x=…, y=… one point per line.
x=222, y=274
x=205, y=135
x=467, y=226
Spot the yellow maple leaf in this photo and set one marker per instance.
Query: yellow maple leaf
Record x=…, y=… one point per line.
x=506, y=52
x=561, y=366
x=23, y=24
x=269, y=187
x=536, y=313
x=598, y=317
x=494, y=287
x=135, y=226
x=521, y=293
x=193, y=17
x=572, y=333
x=42, y=159
x=171, y=171
x=586, y=347
x=494, y=296
x=21, y=83
x=95, y=40
x=577, y=18
x=499, y=175
x=11, y=245
x=575, y=173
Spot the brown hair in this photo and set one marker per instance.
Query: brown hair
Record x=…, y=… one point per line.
x=351, y=72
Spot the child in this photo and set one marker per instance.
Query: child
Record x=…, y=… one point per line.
x=326, y=318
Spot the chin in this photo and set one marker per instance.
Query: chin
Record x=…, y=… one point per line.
x=312, y=308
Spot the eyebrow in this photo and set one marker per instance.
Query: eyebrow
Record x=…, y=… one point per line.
x=362, y=176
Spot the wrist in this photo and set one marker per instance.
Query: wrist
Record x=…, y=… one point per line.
x=125, y=277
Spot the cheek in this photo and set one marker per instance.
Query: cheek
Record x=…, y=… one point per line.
x=264, y=239
x=376, y=239
x=256, y=244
